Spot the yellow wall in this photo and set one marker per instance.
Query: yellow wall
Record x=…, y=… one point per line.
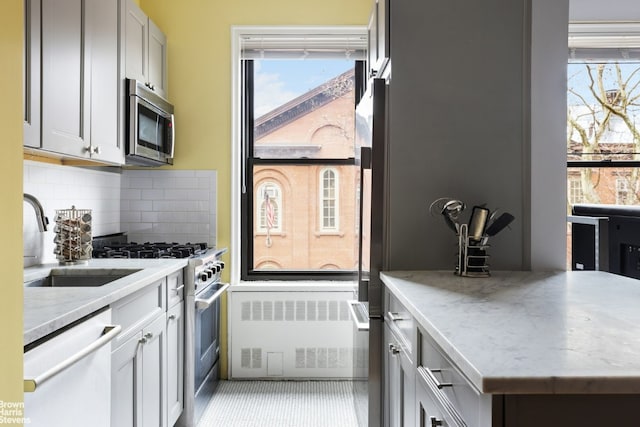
x=11, y=20
x=199, y=37
x=199, y=84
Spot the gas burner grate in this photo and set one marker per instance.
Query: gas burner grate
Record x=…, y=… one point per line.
x=150, y=250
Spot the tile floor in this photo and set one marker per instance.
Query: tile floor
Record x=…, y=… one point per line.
x=281, y=404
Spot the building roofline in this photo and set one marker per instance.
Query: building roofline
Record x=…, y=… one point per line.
x=304, y=104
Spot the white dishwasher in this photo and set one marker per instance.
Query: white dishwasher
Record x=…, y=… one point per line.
x=68, y=377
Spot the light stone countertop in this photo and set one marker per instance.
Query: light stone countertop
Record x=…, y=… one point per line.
x=524, y=332
x=47, y=309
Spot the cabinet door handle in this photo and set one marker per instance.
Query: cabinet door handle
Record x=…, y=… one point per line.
x=393, y=349
x=93, y=149
x=178, y=289
x=394, y=316
x=435, y=422
x=148, y=335
x=172, y=317
x=108, y=334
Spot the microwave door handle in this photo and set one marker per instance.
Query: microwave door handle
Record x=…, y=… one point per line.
x=173, y=134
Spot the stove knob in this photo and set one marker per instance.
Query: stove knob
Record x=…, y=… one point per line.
x=203, y=277
x=221, y=264
x=209, y=273
x=218, y=268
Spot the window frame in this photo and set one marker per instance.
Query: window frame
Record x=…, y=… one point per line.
x=247, y=197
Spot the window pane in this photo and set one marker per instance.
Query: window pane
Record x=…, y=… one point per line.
x=304, y=109
x=603, y=111
x=603, y=125
x=302, y=240
x=604, y=185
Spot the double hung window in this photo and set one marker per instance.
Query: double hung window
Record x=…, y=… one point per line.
x=603, y=114
x=299, y=177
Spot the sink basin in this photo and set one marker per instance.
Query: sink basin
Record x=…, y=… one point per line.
x=72, y=277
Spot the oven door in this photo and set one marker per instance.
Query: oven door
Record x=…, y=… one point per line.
x=207, y=319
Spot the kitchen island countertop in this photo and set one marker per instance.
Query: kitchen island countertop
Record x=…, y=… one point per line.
x=531, y=332
x=48, y=309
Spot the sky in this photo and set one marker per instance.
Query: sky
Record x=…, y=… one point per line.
x=279, y=81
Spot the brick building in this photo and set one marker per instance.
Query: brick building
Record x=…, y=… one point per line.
x=306, y=214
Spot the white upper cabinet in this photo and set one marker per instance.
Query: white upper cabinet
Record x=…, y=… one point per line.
x=71, y=47
x=31, y=83
x=145, y=49
x=157, y=60
x=378, y=30
x=105, y=78
x=65, y=90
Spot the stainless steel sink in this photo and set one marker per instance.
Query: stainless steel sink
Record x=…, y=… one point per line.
x=73, y=277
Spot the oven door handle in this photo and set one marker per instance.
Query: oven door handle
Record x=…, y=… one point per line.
x=361, y=322
x=203, y=304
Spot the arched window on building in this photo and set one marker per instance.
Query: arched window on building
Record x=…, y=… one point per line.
x=269, y=203
x=329, y=200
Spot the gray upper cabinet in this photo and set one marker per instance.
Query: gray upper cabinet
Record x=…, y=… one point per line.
x=71, y=47
x=145, y=49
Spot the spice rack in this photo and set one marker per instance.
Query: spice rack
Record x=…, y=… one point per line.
x=73, y=235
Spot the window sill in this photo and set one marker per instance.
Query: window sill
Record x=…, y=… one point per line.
x=328, y=233
x=301, y=286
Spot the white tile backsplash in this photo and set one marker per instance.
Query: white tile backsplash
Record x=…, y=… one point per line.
x=168, y=205
x=150, y=205
x=61, y=187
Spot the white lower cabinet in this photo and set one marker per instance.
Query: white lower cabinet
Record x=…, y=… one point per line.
x=148, y=362
x=63, y=388
x=138, y=375
x=175, y=362
x=400, y=382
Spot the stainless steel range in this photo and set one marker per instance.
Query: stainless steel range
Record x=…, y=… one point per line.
x=202, y=291
x=203, y=288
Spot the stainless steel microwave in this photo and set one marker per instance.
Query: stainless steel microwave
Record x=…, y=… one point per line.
x=150, y=127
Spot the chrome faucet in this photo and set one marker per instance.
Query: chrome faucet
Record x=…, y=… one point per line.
x=42, y=219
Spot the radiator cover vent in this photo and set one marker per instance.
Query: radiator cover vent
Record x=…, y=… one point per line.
x=291, y=334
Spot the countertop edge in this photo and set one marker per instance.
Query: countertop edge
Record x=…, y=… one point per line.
x=89, y=300
x=467, y=369
x=492, y=384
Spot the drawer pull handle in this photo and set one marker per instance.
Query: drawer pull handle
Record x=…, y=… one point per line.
x=148, y=335
x=172, y=317
x=178, y=289
x=394, y=317
x=435, y=422
x=393, y=349
x=109, y=333
x=434, y=379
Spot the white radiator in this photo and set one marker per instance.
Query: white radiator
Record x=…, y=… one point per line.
x=290, y=334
